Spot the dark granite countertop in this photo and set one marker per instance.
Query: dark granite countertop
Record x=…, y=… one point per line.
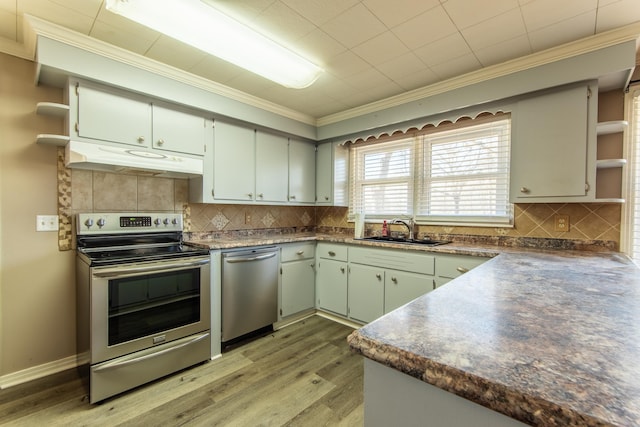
x=550, y=339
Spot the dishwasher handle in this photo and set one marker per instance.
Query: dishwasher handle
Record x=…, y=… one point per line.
x=249, y=259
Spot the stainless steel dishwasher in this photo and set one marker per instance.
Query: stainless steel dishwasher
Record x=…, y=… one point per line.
x=249, y=290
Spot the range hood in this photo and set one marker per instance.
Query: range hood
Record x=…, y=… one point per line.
x=92, y=156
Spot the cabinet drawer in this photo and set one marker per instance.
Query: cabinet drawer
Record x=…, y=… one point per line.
x=332, y=251
x=452, y=266
x=415, y=262
x=296, y=251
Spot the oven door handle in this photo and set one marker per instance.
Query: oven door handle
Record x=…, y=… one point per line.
x=156, y=268
x=177, y=345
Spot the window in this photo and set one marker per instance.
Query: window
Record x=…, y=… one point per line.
x=382, y=180
x=466, y=175
x=631, y=236
x=460, y=175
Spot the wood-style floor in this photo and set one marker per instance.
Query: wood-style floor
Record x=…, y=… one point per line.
x=302, y=375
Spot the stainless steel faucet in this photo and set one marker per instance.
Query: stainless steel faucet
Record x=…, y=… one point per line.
x=409, y=225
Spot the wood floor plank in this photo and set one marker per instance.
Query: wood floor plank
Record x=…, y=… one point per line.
x=301, y=375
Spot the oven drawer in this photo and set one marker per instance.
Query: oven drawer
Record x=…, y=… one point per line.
x=126, y=372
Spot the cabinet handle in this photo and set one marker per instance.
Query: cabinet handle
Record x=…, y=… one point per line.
x=250, y=195
x=378, y=276
x=524, y=190
x=326, y=197
x=331, y=253
x=342, y=269
x=299, y=252
x=292, y=197
x=140, y=139
x=161, y=142
x=394, y=280
x=462, y=269
x=261, y=195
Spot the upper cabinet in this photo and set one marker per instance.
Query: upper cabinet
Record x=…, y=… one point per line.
x=553, y=146
x=332, y=171
x=109, y=115
x=234, y=153
x=254, y=166
x=272, y=164
x=302, y=172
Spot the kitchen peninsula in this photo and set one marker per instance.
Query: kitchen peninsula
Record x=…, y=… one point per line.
x=547, y=338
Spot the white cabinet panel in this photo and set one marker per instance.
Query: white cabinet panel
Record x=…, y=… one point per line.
x=366, y=292
x=233, y=162
x=298, y=287
x=272, y=163
x=107, y=116
x=302, y=172
x=401, y=287
x=332, y=170
x=178, y=131
x=331, y=286
x=552, y=146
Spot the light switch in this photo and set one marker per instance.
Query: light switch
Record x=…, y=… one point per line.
x=46, y=222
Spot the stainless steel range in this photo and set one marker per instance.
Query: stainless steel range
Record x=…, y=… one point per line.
x=143, y=300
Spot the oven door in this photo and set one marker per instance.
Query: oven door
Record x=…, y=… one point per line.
x=140, y=305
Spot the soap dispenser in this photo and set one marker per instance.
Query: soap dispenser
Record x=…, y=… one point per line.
x=385, y=229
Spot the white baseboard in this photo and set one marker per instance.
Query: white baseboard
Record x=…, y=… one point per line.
x=37, y=372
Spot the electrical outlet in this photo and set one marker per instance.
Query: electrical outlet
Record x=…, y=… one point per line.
x=561, y=222
x=46, y=222
x=247, y=218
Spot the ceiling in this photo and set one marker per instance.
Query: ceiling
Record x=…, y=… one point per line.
x=370, y=49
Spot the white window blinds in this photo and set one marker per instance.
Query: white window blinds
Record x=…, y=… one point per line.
x=382, y=179
x=464, y=175
x=633, y=205
x=459, y=175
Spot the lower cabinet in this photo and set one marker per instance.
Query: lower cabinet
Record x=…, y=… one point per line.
x=363, y=283
x=331, y=286
x=448, y=267
x=366, y=292
x=400, y=287
x=297, y=278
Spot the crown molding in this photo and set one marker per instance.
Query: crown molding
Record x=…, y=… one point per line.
x=39, y=27
x=567, y=50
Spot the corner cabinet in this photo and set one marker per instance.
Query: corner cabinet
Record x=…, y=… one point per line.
x=331, y=278
x=297, y=278
x=553, y=146
x=332, y=172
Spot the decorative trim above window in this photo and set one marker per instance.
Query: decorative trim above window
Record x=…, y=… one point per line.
x=451, y=173
x=434, y=123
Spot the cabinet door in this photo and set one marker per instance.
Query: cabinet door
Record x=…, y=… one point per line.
x=549, y=148
x=178, y=131
x=272, y=164
x=331, y=286
x=302, y=172
x=324, y=174
x=366, y=292
x=298, y=287
x=233, y=162
x=110, y=117
x=401, y=287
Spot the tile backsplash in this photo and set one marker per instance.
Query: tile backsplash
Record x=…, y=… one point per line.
x=93, y=191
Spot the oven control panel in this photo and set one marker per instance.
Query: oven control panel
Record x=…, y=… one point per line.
x=113, y=222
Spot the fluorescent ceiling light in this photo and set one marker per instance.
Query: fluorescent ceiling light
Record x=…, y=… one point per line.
x=205, y=28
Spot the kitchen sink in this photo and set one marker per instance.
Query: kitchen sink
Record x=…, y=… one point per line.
x=427, y=242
